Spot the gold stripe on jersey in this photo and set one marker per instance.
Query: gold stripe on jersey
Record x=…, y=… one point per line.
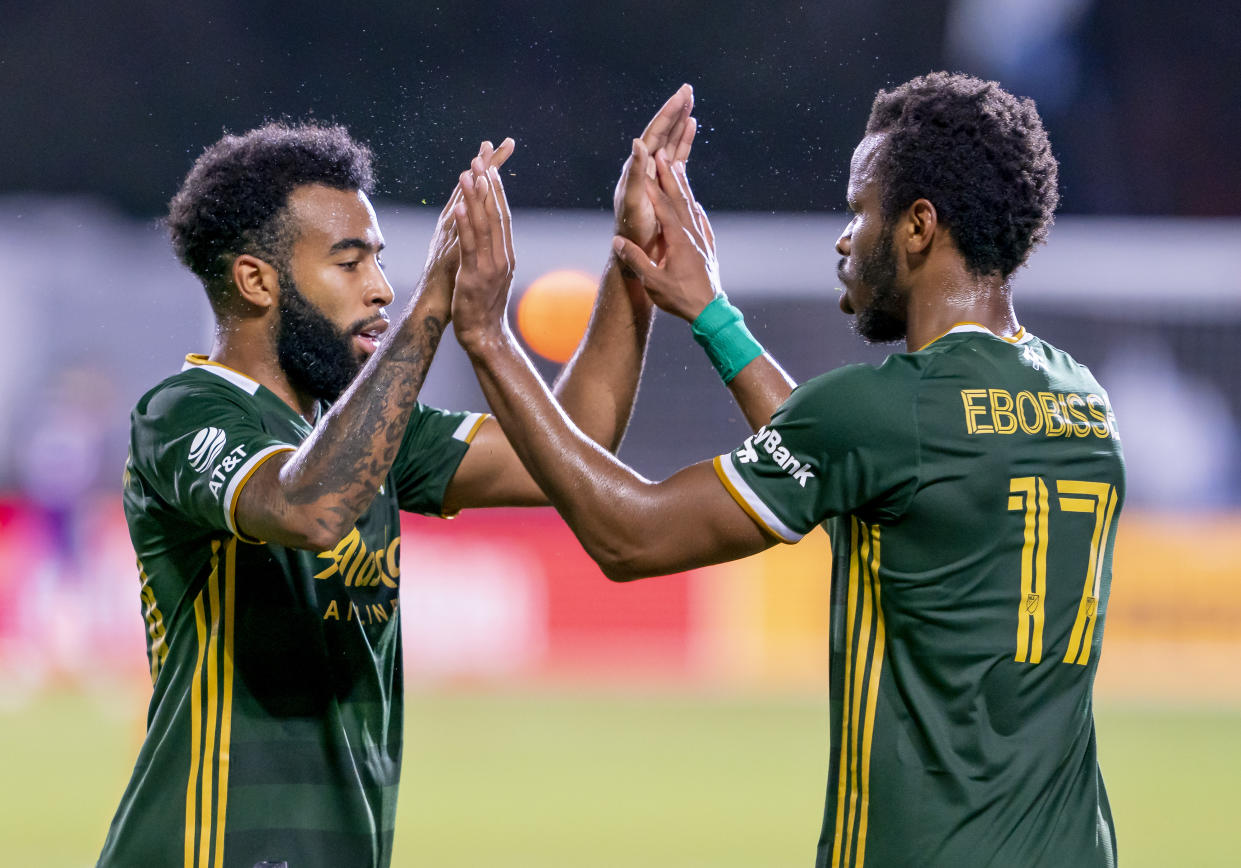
x=872, y=696
x=1098, y=498
x=157, y=633
x=196, y=723
x=226, y=713
x=206, y=797
x=1029, y=494
x=863, y=667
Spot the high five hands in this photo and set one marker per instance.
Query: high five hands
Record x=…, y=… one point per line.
x=686, y=278
x=663, y=237
x=670, y=132
x=485, y=232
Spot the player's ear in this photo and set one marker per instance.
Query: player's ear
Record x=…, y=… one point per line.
x=256, y=280
x=921, y=221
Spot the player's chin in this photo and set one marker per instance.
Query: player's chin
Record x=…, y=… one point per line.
x=846, y=304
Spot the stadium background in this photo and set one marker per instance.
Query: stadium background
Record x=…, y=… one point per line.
x=556, y=719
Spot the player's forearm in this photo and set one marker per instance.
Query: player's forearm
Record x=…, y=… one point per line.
x=760, y=388
x=598, y=386
x=333, y=476
x=605, y=504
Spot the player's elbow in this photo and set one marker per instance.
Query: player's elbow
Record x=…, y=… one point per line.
x=621, y=560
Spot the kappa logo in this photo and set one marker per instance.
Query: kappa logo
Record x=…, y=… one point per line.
x=206, y=446
x=770, y=441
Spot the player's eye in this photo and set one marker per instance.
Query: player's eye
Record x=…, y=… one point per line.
x=351, y=265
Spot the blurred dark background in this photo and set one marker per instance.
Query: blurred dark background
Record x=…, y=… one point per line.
x=115, y=99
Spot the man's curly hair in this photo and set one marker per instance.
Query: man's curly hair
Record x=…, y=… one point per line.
x=234, y=200
x=979, y=154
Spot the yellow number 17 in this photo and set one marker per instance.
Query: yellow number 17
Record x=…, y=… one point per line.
x=1030, y=494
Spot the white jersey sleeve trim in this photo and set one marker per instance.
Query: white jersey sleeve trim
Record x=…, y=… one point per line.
x=469, y=427
x=243, y=474
x=749, y=500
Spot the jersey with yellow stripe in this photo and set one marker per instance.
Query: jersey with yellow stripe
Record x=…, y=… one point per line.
x=275, y=722
x=971, y=492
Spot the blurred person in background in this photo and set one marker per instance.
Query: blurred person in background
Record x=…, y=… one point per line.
x=263, y=486
x=971, y=485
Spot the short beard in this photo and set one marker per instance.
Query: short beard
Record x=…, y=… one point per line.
x=883, y=321
x=317, y=357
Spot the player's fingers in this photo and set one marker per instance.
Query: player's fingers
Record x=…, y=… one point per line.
x=681, y=147
x=506, y=216
x=476, y=208
x=687, y=193
x=638, y=165
x=465, y=230
x=634, y=263
x=678, y=106
x=502, y=153
x=677, y=199
x=705, y=224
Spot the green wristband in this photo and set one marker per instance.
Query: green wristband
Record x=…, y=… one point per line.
x=720, y=330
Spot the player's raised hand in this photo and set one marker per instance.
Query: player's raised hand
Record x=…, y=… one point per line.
x=687, y=277
x=443, y=255
x=671, y=131
x=485, y=232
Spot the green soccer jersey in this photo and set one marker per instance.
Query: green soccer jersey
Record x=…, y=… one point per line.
x=274, y=729
x=971, y=491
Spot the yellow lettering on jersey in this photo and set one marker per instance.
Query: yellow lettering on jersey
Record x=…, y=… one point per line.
x=1024, y=400
x=333, y=611
x=1052, y=414
x=1074, y=404
x=1055, y=426
x=393, y=562
x=973, y=409
x=358, y=566
x=1002, y=414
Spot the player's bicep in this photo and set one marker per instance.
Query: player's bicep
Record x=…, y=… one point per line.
x=491, y=474
x=691, y=520
x=197, y=449
x=263, y=511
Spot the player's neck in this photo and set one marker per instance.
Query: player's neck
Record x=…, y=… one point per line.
x=953, y=296
x=250, y=349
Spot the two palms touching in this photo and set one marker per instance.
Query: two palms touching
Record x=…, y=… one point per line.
x=663, y=237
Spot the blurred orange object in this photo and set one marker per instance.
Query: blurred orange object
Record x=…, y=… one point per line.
x=553, y=313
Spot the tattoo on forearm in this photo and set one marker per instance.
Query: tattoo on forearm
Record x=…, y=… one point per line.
x=362, y=443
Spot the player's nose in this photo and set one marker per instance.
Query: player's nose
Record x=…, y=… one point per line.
x=379, y=291
x=845, y=242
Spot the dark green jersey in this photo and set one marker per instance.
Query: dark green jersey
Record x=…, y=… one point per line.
x=274, y=730
x=971, y=491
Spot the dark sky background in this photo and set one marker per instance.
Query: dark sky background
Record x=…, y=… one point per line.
x=115, y=99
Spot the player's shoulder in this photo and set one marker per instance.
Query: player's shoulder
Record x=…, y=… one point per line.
x=1061, y=361
x=897, y=377
x=196, y=396
x=199, y=385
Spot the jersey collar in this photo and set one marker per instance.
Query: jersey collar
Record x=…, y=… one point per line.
x=238, y=379
x=1021, y=337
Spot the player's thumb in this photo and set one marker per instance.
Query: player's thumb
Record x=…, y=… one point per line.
x=634, y=261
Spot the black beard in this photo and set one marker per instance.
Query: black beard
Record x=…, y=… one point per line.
x=317, y=357
x=883, y=320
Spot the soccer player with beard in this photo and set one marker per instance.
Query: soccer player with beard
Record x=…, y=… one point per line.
x=262, y=493
x=971, y=485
